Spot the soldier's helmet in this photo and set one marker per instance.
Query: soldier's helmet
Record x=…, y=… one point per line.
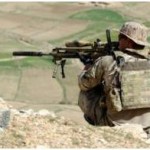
x=136, y=32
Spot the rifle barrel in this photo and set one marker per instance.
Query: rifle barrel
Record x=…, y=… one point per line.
x=58, y=55
x=28, y=53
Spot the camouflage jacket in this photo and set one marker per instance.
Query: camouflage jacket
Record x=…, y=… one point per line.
x=102, y=72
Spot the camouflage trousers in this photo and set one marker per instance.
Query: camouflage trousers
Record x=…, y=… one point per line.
x=97, y=114
x=92, y=104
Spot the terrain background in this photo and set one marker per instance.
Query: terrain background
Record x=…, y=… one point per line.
x=27, y=83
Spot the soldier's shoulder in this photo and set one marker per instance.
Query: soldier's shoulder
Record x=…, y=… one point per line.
x=105, y=60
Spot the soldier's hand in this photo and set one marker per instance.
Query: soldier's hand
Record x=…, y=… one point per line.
x=85, y=58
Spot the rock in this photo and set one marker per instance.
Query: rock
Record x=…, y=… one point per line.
x=45, y=112
x=15, y=112
x=5, y=114
x=135, y=129
x=26, y=113
x=4, y=118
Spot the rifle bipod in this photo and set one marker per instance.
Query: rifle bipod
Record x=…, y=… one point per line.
x=59, y=63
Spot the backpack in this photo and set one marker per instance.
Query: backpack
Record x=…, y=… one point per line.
x=130, y=87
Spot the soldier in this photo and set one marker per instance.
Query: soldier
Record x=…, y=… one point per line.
x=116, y=90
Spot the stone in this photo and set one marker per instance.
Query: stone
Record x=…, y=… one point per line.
x=4, y=118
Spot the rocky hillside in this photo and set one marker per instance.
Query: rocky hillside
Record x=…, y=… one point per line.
x=44, y=129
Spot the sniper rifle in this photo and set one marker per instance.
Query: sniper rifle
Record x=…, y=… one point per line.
x=87, y=53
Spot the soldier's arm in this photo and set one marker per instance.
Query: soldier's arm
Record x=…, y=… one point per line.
x=95, y=73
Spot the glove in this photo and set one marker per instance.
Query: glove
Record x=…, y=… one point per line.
x=85, y=58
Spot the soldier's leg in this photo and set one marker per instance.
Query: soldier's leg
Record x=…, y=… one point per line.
x=89, y=120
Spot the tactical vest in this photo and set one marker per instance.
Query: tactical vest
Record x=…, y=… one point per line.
x=135, y=85
x=131, y=85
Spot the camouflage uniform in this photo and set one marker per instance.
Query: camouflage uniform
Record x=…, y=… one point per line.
x=96, y=84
